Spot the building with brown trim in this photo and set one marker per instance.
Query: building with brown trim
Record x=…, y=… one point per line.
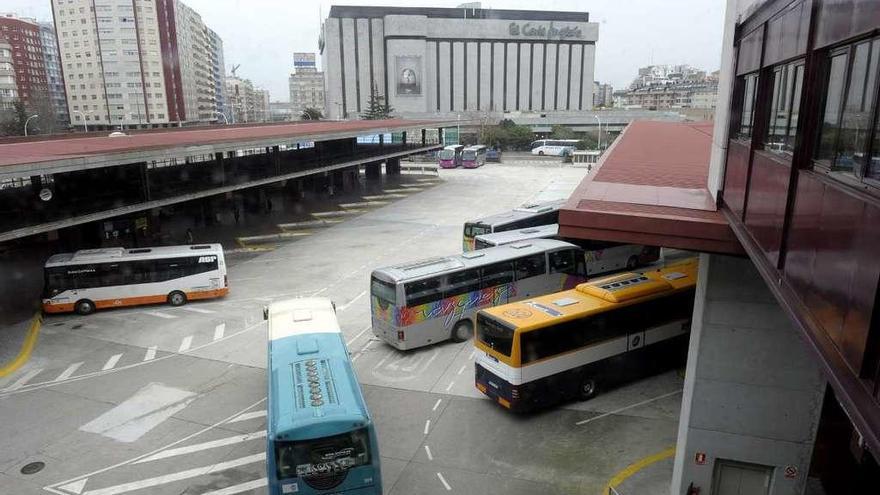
x=23, y=35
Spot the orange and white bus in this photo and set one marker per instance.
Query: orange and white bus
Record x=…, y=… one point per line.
x=109, y=278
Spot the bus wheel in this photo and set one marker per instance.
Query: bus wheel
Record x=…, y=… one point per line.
x=177, y=298
x=587, y=389
x=84, y=307
x=462, y=331
x=632, y=262
x=541, y=153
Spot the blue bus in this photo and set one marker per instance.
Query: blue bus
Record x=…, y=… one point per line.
x=320, y=435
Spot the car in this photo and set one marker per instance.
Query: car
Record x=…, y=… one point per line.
x=117, y=134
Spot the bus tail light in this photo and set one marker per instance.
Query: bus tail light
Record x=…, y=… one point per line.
x=400, y=335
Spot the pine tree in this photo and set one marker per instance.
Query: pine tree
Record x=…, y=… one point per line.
x=377, y=107
x=14, y=124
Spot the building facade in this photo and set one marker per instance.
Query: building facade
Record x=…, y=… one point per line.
x=603, y=95
x=442, y=62
x=240, y=99
x=25, y=40
x=54, y=77
x=261, y=105
x=218, y=71
x=194, y=55
x=8, y=87
x=306, y=84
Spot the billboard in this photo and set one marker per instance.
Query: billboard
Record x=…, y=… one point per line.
x=302, y=59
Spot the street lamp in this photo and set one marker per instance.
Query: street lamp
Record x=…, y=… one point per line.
x=598, y=139
x=222, y=115
x=458, y=129
x=28, y=120
x=85, y=124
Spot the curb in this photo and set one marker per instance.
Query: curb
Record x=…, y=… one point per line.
x=30, y=341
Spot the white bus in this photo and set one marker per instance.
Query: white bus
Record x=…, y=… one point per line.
x=527, y=215
x=109, y=278
x=429, y=301
x=554, y=147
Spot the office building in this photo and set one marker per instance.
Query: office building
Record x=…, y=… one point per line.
x=25, y=40
x=602, y=95
x=306, y=84
x=432, y=62
x=54, y=77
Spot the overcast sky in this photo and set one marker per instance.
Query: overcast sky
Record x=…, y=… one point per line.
x=261, y=35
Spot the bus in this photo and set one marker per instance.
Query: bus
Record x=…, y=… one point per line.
x=554, y=147
x=429, y=301
x=320, y=435
x=571, y=344
x=527, y=215
x=450, y=156
x=601, y=256
x=93, y=279
x=473, y=156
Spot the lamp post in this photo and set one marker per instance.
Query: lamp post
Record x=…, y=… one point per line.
x=85, y=124
x=599, y=138
x=458, y=128
x=222, y=115
x=26, y=123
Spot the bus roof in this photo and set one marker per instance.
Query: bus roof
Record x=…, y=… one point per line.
x=314, y=391
x=596, y=295
x=107, y=255
x=453, y=147
x=508, y=236
x=420, y=269
x=476, y=147
x=524, y=211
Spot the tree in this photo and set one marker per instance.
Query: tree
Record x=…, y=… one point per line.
x=14, y=124
x=562, y=132
x=377, y=107
x=311, y=113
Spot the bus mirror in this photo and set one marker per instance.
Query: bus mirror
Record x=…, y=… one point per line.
x=334, y=306
x=265, y=313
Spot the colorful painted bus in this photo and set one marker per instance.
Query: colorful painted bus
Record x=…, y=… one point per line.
x=473, y=156
x=450, y=156
x=320, y=438
x=115, y=277
x=571, y=344
x=527, y=215
x=429, y=301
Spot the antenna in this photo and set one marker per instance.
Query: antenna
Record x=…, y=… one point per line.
x=235, y=68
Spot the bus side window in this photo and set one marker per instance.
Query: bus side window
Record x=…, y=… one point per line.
x=530, y=266
x=563, y=262
x=423, y=291
x=497, y=274
x=462, y=283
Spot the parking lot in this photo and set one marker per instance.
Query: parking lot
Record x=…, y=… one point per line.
x=172, y=400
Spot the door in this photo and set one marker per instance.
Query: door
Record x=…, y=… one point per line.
x=739, y=478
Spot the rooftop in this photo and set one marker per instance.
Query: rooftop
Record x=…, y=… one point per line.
x=459, y=13
x=650, y=188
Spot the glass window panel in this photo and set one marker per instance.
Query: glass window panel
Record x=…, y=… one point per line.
x=748, y=106
x=778, y=113
x=798, y=83
x=856, y=118
x=830, y=126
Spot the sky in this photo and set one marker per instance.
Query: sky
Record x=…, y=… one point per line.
x=262, y=35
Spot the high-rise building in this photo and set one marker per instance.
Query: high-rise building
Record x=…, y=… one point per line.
x=218, y=71
x=261, y=105
x=55, y=78
x=306, y=84
x=23, y=36
x=142, y=63
x=8, y=88
x=240, y=99
x=603, y=95
x=441, y=62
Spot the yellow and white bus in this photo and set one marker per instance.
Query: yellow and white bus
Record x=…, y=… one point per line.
x=570, y=344
x=93, y=279
x=429, y=301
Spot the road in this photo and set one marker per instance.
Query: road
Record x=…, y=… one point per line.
x=172, y=400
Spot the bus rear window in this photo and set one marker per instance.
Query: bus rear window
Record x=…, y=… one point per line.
x=384, y=291
x=494, y=334
x=475, y=229
x=322, y=459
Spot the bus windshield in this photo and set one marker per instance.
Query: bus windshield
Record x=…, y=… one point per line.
x=447, y=154
x=384, y=291
x=469, y=155
x=494, y=335
x=475, y=229
x=322, y=457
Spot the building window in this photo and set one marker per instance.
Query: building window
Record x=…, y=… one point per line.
x=788, y=81
x=845, y=135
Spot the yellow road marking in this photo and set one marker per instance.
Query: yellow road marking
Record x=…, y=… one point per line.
x=30, y=341
x=635, y=467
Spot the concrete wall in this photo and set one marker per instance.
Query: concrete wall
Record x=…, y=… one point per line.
x=752, y=391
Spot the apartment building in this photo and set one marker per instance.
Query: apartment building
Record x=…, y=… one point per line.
x=261, y=105
x=306, y=84
x=240, y=99
x=54, y=76
x=8, y=88
x=26, y=46
x=218, y=70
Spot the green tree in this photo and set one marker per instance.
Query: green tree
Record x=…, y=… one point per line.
x=14, y=124
x=311, y=113
x=562, y=132
x=377, y=107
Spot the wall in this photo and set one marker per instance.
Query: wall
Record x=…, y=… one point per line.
x=752, y=391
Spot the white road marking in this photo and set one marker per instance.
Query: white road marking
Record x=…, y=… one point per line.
x=358, y=335
x=248, y=415
x=189, y=449
x=160, y=314
x=243, y=487
x=185, y=343
x=442, y=480
x=178, y=476
x=637, y=404
x=140, y=413
x=436, y=404
x=460, y=370
x=67, y=373
x=363, y=350
x=24, y=379
x=151, y=353
x=473, y=354
x=75, y=487
x=427, y=426
x=428, y=453
x=219, y=330
x=198, y=310
x=349, y=303
x=449, y=387
x=111, y=363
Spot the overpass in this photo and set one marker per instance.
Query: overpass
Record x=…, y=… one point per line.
x=51, y=183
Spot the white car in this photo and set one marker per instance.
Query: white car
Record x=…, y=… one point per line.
x=117, y=134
